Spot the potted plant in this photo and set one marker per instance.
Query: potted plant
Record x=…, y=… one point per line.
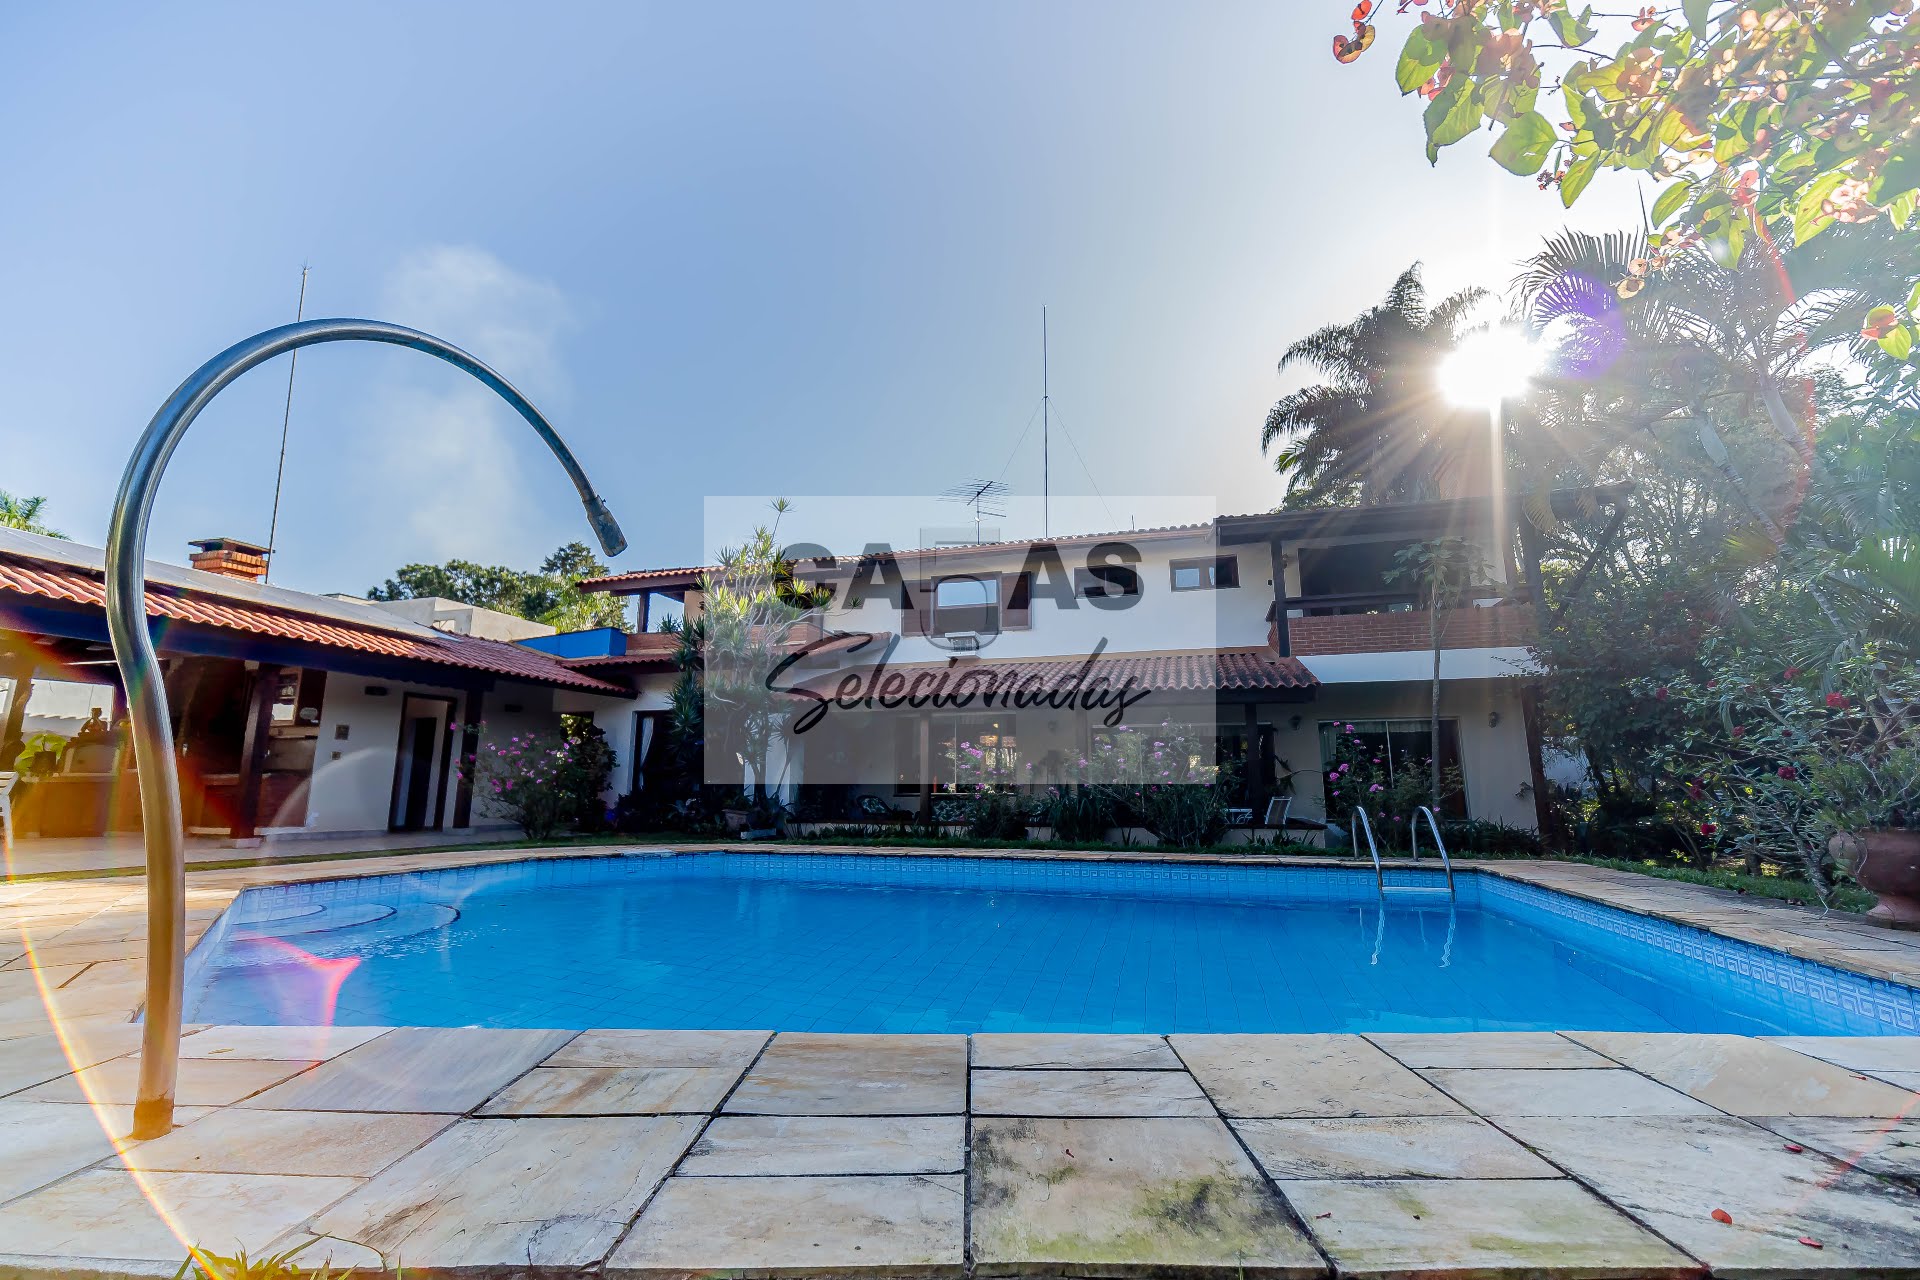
x=1871, y=800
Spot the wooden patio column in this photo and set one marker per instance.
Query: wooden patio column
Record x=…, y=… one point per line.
x=21, y=673
x=469, y=752
x=1252, y=752
x=1283, y=640
x=253, y=751
x=926, y=767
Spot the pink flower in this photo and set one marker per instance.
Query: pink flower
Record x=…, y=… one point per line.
x=1661, y=693
x=1739, y=731
x=1787, y=771
x=1836, y=701
x=1708, y=828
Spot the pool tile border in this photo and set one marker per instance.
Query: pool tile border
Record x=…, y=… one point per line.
x=1805, y=987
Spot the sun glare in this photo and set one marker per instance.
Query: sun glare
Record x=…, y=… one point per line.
x=1489, y=367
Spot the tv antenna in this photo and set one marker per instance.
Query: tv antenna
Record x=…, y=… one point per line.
x=286, y=420
x=986, y=497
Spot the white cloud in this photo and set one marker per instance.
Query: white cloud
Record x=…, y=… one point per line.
x=452, y=453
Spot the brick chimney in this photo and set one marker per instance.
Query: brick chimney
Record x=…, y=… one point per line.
x=230, y=558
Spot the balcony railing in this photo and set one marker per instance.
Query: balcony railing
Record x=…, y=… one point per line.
x=1466, y=627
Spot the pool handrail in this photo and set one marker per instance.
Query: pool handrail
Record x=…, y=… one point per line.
x=1433, y=825
x=1366, y=825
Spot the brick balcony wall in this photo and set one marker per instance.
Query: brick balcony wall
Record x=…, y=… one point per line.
x=1499, y=626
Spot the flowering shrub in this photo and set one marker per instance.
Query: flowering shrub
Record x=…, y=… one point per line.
x=545, y=781
x=1163, y=779
x=1358, y=778
x=1772, y=762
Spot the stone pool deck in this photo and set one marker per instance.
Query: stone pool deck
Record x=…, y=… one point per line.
x=654, y=1153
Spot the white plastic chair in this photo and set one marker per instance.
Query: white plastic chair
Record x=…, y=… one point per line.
x=1278, y=808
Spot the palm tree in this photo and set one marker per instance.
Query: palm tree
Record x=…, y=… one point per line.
x=1377, y=429
x=24, y=514
x=1705, y=391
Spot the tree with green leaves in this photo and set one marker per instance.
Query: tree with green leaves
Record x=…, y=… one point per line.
x=1377, y=429
x=1770, y=121
x=24, y=514
x=751, y=611
x=550, y=594
x=1441, y=570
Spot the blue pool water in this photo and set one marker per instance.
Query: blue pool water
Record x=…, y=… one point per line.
x=865, y=943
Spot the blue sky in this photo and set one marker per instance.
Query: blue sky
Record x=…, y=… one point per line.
x=729, y=250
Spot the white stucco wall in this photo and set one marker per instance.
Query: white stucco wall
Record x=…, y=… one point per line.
x=1159, y=619
x=352, y=784
x=1493, y=758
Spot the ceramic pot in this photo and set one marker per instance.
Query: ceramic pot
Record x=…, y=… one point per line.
x=1888, y=864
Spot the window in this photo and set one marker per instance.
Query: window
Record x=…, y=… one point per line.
x=1106, y=580
x=957, y=738
x=966, y=603
x=1207, y=573
x=1404, y=746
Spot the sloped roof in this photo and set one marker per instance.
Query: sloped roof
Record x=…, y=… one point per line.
x=1198, y=670
x=648, y=579
x=51, y=569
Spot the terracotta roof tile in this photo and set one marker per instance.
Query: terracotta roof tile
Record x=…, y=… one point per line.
x=1249, y=670
x=79, y=586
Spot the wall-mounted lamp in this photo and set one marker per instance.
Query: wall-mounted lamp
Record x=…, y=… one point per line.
x=1293, y=722
x=1493, y=719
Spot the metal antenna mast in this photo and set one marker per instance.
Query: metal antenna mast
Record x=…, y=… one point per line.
x=286, y=417
x=1046, y=413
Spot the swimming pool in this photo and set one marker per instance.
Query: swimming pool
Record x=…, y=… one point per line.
x=865, y=943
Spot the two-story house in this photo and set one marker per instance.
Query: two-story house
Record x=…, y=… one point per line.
x=1263, y=635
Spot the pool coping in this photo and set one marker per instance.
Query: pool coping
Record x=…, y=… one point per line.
x=1682, y=1093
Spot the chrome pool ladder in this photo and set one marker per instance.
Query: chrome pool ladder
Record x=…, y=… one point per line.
x=1433, y=825
x=1364, y=824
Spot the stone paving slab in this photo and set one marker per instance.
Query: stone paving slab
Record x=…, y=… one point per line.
x=809, y=1074
x=613, y=1091
x=41, y=1142
x=536, y=1192
x=1125, y=1197
x=891, y=1226
x=1748, y=1077
x=1540, y=1049
x=1095, y=1092
x=1889, y=1148
x=1870, y=1054
x=417, y=1069
x=280, y=1044
x=793, y=1146
x=1081, y=1052
x=648, y=1048
x=342, y=1144
x=30, y=1060
x=1672, y=1172
x=1390, y=1147
x=1575, y=1091
x=1463, y=1227
x=1307, y=1075
x=105, y=1214
x=202, y=1082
